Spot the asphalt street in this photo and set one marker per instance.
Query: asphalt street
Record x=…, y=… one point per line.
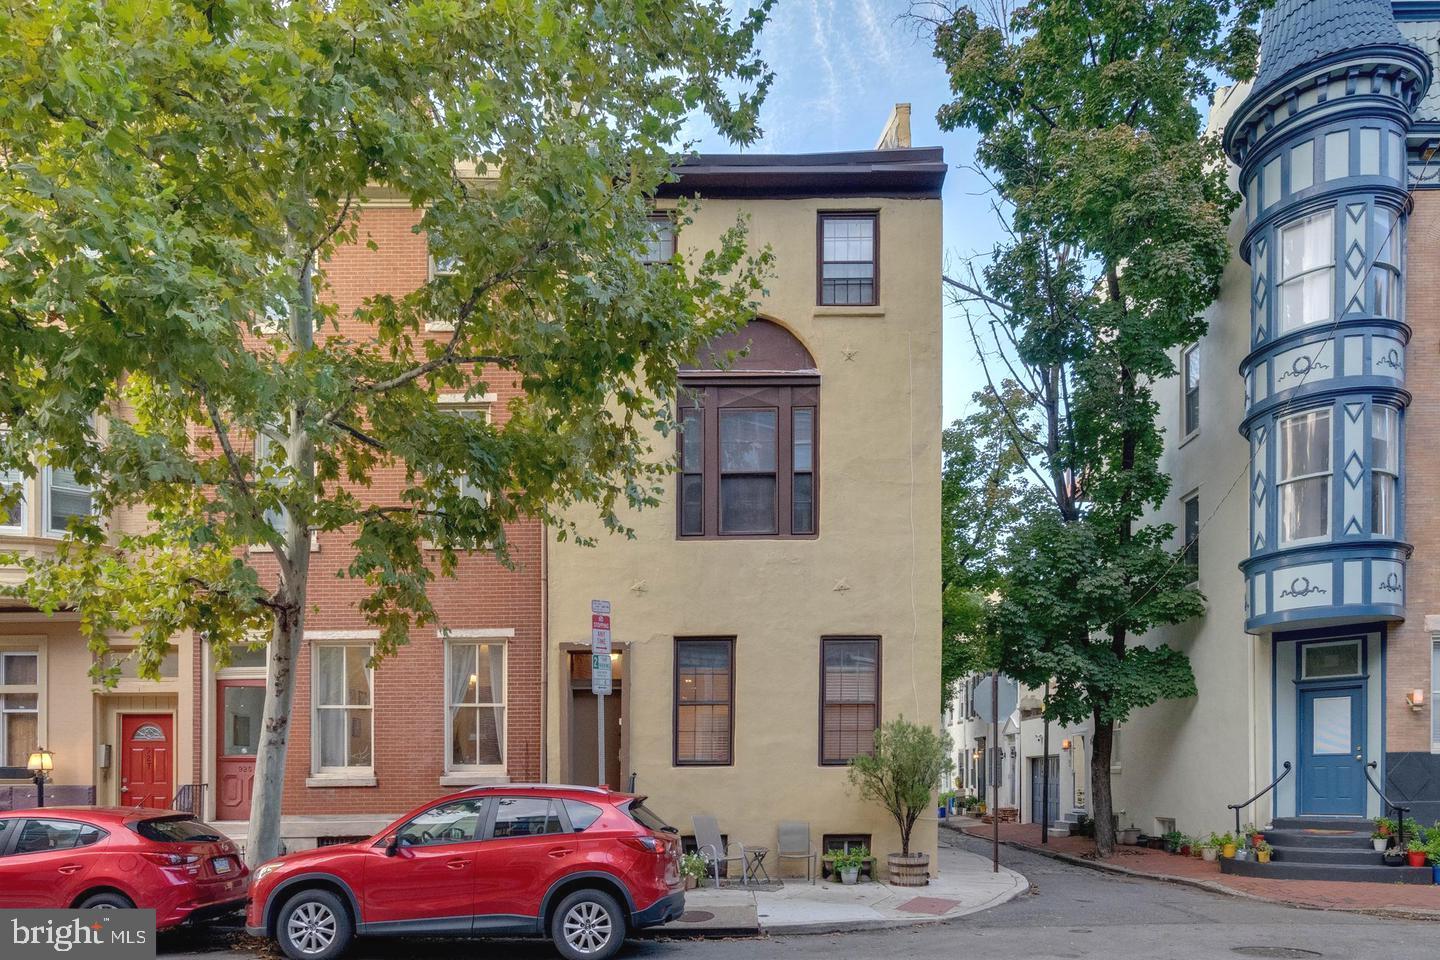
x=1073, y=912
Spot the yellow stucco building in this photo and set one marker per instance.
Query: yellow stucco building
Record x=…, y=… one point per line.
x=785, y=597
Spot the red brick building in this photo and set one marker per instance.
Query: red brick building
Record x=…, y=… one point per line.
x=458, y=705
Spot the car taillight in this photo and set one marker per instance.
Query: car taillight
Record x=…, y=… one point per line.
x=647, y=844
x=173, y=859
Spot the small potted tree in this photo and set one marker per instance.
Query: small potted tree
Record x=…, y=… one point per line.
x=902, y=773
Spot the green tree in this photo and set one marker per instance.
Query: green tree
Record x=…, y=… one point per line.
x=1117, y=209
x=908, y=765
x=174, y=175
x=982, y=497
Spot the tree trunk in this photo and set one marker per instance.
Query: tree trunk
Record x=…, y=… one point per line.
x=1102, y=801
x=264, y=842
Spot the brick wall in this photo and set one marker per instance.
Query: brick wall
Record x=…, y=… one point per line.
x=1408, y=661
x=409, y=688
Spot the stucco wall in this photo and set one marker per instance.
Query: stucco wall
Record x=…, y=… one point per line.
x=873, y=570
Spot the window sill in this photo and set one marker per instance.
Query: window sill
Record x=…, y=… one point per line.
x=490, y=776
x=873, y=310
x=1187, y=438
x=340, y=780
x=263, y=548
x=439, y=326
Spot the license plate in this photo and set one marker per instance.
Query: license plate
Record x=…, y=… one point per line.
x=222, y=864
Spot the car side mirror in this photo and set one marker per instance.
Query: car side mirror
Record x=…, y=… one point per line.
x=392, y=844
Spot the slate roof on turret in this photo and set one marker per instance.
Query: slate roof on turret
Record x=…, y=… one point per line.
x=1297, y=33
x=1425, y=34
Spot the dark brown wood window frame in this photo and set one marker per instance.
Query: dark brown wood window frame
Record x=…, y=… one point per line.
x=879, y=673
x=676, y=705
x=820, y=220
x=702, y=400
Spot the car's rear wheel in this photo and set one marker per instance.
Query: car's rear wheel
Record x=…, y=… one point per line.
x=107, y=900
x=587, y=925
x=313, y=925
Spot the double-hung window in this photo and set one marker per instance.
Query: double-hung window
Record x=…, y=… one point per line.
x=1385, y=272
x=849, y=263
x=704, y=701
x=1384, y=470
x=660, y=245
x=849, y=697
x=1190, y=374
x=65, y=498
x=343, y=717
x=19, y=706
x=1304, y=476
x=475, y=703
x=1191, y=533
x=12, y=507
x=1307, y=272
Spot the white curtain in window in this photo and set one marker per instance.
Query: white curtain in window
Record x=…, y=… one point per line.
x=1305, y=476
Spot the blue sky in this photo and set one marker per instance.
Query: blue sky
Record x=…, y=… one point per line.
x=839, y=67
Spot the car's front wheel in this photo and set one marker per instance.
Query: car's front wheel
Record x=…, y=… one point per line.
x=313, y=925
x=588, y=925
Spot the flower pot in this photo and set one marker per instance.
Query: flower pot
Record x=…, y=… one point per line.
x=1262, y=856
x=1228, y=851
x=850, y=876
x=1242, y=854
x=1208, y=854
x=691, y=883
x=944, y=811
x=1394, y=858
x=1380, y=843
x=1436, y=872
x=1185, y=850
x=1157, y=843
x=911, y=871
x=1415, y=858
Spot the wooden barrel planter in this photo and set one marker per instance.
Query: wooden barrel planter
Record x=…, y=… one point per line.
x=911, y=871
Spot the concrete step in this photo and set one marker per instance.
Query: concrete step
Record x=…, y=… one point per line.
x=1367, y=858
x=1279, y=870
x=1335, y=839
x=1351, y=824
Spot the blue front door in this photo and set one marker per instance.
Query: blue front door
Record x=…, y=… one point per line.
x=1332, y=751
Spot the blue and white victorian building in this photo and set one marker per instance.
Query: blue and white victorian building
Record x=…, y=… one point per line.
x=1303, y=438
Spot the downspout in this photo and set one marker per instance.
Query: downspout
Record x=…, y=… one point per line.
x=544, y=652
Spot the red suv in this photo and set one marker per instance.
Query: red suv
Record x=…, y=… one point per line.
x=118, y=858
x=579, y=864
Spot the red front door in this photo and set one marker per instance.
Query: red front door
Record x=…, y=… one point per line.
x=146, y=765
x=240, y=706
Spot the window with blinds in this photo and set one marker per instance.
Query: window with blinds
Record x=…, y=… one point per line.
x=849, y=697
x=704, y=701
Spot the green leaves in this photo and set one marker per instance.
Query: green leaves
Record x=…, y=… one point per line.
x=180, y=179
x=908, y=765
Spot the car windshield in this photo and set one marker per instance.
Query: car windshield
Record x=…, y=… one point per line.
x=646, y=817
x=177, y=830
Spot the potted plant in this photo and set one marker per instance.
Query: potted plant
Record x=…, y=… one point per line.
x=848, y=863
x=1210, y=848
x=1227, y=846
x=1380, y=838
x=1263, y=851
x=692, y=868
x=1128, y=836
x=946, y=799
x=1432, y=848
x=1173, y=839
x=1394, y=857
x=1416, y=853
x=1186, y=844
x=909, y=762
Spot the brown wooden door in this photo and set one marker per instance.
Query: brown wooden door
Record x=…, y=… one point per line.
x=147, y=777
x=239, y=706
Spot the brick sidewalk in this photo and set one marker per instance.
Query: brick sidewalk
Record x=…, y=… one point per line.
x=1384, y=898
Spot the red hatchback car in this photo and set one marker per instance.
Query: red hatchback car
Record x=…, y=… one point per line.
x=579, y=864
x=117, y=858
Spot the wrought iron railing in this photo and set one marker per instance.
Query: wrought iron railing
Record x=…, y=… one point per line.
x=1237, y=807
x=1398, y=809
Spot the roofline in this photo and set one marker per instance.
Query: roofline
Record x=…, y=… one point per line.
x=908, y=172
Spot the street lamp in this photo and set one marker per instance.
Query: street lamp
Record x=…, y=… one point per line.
x=41, y=762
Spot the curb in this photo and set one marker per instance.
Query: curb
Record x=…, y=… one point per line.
x=763, y=931
x=1212, y=886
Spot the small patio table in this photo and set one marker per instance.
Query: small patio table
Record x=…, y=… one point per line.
x=755, y=863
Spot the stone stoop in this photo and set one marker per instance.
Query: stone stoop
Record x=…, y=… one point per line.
x=1325, y=849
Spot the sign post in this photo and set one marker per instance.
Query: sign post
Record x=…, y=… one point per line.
x=600, y=677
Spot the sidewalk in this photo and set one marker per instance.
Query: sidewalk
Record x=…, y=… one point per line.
x=965, y=885
x=1380, y=899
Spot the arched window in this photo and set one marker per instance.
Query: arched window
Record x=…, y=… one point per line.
x=748, y=437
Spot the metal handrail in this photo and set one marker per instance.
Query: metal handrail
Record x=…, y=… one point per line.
x=1237, y=807
x=1399, y=810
